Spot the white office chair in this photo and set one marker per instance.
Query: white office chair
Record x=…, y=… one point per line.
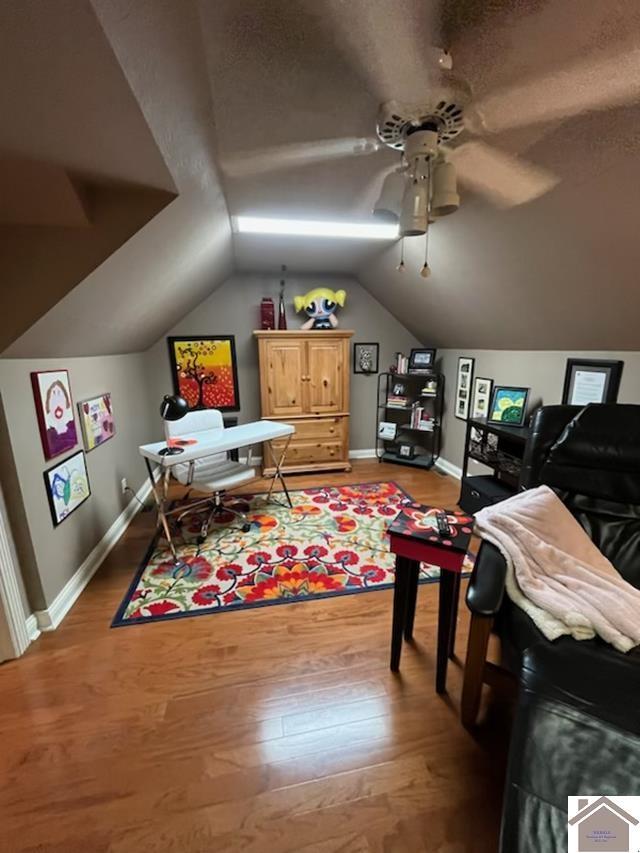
x=212, y=474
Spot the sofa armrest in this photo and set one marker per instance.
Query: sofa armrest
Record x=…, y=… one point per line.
x=486, y=585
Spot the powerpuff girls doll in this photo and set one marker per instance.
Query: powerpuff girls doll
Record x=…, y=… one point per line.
x=320, y=304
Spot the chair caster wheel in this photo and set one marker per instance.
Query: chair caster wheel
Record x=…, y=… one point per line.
x=246, y=528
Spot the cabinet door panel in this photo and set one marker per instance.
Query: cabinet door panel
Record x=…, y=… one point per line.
x=325, y=365
x=284, y=371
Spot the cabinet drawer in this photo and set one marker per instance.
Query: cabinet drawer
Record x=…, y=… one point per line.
x=330, y=429
x=303, y=451
x=300, y=452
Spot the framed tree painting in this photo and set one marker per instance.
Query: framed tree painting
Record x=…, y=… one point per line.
x=54, y=410
x=205, y=371
x=67, y=485
x=96, y=420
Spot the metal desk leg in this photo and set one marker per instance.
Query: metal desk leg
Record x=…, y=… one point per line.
x=159, y=489
x=278, y=472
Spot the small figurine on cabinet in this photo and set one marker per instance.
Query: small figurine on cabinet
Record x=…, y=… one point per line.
x=320, y=305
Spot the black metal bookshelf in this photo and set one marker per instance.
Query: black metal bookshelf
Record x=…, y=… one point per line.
x=425, y=442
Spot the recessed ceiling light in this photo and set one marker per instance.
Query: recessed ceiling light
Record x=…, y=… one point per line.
x=311, y=228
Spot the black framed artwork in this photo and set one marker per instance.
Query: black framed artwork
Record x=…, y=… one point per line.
x=421, y=360
x=205, y=371
x=508, y=405
x=464, y=387
x=365, y=358
x=591, y=381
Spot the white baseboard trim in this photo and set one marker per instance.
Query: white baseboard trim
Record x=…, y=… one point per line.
x=31, y=624
x=363, y=454
x=449, y=468
x=49, y=619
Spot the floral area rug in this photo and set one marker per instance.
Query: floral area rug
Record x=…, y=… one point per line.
x=332, y=542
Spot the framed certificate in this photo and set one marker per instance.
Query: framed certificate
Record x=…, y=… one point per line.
x=591, y=381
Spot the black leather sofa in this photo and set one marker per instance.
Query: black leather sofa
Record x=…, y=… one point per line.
x=577, y=727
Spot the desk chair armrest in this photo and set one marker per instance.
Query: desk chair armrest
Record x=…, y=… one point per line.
x=486, y=585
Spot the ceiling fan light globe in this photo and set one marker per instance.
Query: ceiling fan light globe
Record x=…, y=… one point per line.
x=387, y=207
x=444, y=198
x=415, y=209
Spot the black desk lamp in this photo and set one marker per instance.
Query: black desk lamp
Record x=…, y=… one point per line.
x=172, y=409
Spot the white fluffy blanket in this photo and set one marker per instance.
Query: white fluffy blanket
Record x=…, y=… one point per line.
x=556, y=574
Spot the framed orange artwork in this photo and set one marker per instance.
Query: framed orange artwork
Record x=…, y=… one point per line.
x=205, y=371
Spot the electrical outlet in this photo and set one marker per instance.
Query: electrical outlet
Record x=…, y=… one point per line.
x=124, y=485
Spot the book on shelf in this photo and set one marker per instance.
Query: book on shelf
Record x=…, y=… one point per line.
x=421, y=419
x=395, y=401
x=402, y=363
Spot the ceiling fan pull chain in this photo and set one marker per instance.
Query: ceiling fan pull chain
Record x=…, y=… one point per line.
x=400, y=266
x=425, y=272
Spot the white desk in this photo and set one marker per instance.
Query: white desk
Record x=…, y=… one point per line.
x=220, y=441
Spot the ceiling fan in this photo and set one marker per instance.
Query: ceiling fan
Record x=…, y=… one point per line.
x=457, y=127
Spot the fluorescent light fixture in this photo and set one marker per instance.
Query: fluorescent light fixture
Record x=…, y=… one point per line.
x=312, y=228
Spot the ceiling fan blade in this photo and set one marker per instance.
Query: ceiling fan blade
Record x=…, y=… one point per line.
x=594, y=84
x=507, y=181
x=251, y=163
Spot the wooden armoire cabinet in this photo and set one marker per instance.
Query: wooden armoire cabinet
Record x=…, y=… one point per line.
x=304, y=381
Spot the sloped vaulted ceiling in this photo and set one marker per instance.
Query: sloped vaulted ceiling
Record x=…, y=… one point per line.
x=183, y=253
x=215, y=79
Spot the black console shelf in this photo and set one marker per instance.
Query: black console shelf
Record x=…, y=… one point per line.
x=500, y=448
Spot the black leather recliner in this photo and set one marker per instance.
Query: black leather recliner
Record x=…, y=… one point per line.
x=577, y=726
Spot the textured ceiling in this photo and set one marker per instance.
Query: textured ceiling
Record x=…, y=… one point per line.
x=216, y=81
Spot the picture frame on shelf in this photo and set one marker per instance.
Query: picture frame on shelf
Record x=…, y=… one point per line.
x=366, y=358
x=591, y=381
x=421, y=361
x=67, y=486
x=464, y=385
x=205, y=371
x=406, y=451
x=508, y=405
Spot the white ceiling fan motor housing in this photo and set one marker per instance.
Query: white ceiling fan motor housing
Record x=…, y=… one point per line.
x=444, y=111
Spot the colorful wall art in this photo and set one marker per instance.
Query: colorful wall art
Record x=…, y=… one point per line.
x=205, y=371
x=96, y=420
x=67, y=485
x=54, y=409
x=508, y=405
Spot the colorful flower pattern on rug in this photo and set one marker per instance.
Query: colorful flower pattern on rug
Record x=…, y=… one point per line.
x=332, y=542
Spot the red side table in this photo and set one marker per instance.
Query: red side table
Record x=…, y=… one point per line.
x=414, y=540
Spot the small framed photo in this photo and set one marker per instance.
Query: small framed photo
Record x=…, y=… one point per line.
x=96, y=420
x=67, y=485
x=407, y=451
x=591, y=381
x=421, y=360
x=463, y=387
x=399, y=389
x=481, y=399
x=508, y=405
x=365, y=358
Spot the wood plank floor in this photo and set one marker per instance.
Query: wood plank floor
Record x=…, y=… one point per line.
x=276, y=729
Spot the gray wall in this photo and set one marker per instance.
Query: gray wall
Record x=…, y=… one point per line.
x=50, y=556
x=542, y=372
x=234, y=309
